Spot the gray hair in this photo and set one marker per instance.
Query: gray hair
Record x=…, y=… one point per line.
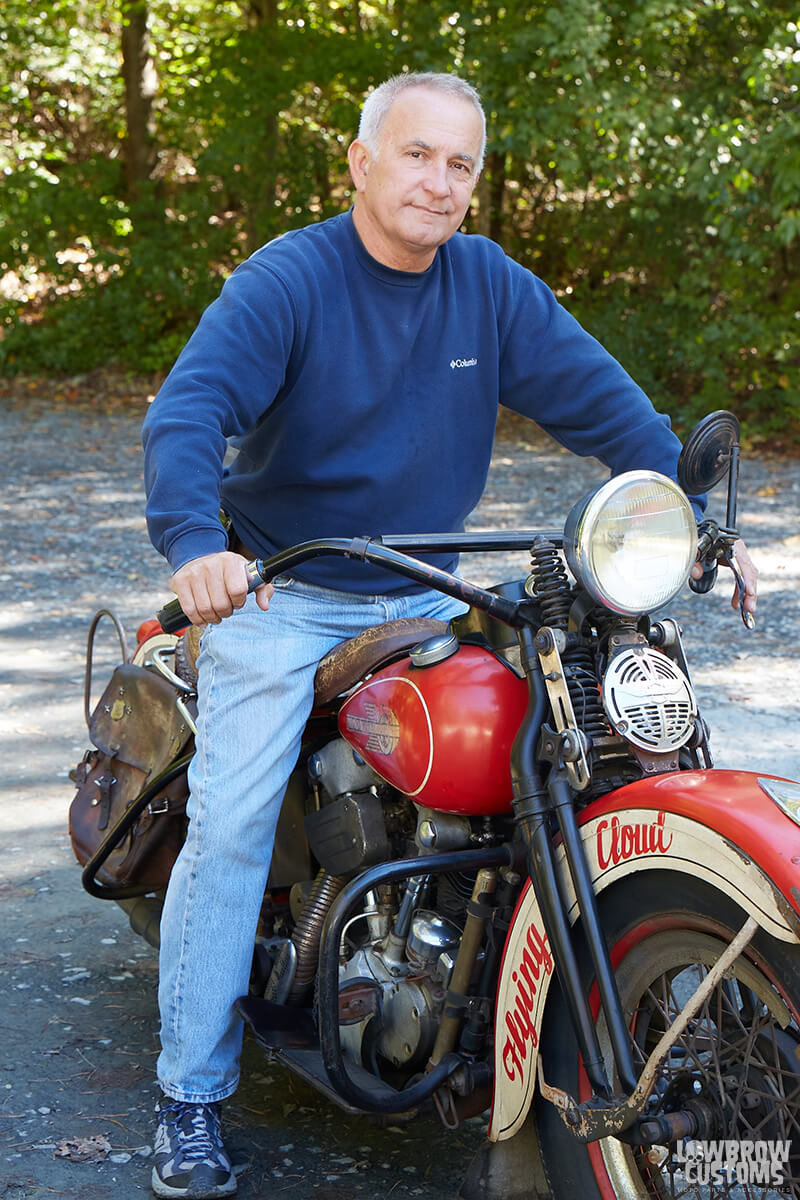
x=378, y=102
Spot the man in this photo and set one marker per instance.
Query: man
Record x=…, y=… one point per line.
x=359, y=362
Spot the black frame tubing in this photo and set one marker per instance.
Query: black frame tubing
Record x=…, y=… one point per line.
x=387, y=1099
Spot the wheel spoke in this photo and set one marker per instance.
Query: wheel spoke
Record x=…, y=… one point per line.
x=734, y=1072
x=733, y=1054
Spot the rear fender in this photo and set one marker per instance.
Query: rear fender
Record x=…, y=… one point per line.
x=719, y=826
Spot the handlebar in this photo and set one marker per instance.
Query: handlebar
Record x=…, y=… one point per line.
x=715, y=544
x=388, y=552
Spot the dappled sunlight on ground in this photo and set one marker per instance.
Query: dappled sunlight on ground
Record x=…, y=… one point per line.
x=78, y=990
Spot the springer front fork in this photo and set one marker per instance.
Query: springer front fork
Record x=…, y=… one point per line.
x=604, y=1114
x=534, y=804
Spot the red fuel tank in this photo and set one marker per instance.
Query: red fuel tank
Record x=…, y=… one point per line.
x=442, y=734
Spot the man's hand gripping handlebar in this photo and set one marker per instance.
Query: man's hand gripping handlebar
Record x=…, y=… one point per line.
x=212, y=587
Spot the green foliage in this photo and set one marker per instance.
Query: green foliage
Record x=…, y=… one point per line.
x=644, y=159
x=137, y=303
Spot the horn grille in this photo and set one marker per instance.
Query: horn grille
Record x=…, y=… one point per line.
x=649, y=700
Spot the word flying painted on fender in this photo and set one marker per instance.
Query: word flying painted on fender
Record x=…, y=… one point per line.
x=534, y=962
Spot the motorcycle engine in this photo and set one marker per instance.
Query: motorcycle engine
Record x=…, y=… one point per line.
x=392, y=992
x=401, y=955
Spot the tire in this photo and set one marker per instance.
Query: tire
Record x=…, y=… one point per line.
x=662, y=929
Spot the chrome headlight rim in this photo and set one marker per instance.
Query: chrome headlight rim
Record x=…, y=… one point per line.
x=584, y=521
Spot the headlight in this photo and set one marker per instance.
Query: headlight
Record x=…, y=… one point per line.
x=631, y=542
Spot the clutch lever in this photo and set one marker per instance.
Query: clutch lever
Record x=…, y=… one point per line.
x=728, y=557
x=715, y=545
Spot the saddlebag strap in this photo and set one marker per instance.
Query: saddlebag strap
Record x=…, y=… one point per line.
x=104, y=784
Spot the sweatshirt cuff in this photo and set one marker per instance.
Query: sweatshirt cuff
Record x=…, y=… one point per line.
x=195, y=545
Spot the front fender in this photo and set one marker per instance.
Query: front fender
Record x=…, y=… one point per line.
x=719, y=826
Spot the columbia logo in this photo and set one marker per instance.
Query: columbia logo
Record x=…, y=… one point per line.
x=463, y=362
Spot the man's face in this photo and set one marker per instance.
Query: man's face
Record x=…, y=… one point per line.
x=413, y=195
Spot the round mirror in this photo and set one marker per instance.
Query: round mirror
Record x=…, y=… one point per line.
x=706, y=455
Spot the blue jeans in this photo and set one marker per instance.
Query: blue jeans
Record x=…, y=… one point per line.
x=255, y=689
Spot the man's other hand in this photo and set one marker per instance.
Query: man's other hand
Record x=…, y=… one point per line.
x=749, y=575
x=211, y=587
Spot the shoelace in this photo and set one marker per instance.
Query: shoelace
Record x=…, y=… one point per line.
x=200, y=1143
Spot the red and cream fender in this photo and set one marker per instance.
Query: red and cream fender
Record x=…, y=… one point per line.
x=719, y=826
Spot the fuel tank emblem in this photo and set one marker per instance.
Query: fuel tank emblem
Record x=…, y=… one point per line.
x=379, y=724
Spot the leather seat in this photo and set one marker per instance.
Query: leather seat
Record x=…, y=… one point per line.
x=344, y=665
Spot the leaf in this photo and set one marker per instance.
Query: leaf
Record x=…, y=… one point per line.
x=84, y=1149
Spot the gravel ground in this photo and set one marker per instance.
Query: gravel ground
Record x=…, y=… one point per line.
x=79, y=1031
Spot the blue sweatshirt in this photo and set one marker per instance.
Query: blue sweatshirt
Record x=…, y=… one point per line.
x=364, y=399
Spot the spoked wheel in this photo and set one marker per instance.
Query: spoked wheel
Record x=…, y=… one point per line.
x=736, y=1067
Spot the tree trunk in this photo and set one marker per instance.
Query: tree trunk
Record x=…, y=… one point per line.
x=262, y=12
x=139, y=76
x=491, y=191
x=263, y=171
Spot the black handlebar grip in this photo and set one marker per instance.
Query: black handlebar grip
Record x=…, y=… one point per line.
x=707, y=580
x=172, y=617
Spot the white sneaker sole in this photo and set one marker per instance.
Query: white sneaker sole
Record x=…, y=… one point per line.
x=163, y=1189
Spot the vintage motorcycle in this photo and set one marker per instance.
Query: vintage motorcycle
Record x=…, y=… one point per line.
x=507, y=875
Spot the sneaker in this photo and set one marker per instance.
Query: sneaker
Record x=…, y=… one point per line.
x=190, y=1159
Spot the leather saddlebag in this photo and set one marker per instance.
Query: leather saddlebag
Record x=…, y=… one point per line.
x=137, y=731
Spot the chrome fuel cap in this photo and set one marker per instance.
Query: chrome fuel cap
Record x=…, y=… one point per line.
x=434, y=650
